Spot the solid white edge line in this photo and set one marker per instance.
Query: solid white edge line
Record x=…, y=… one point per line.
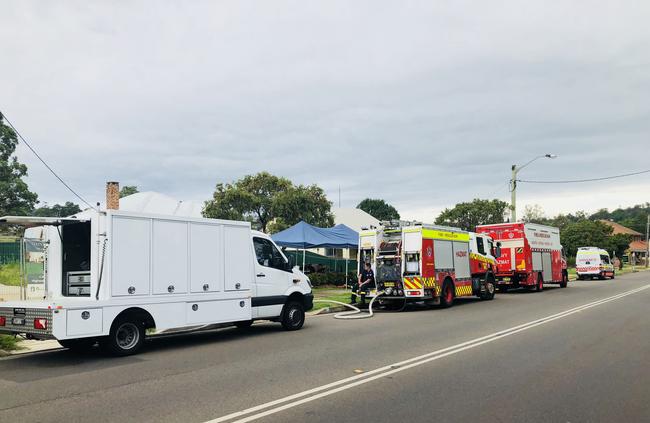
x=363, y=378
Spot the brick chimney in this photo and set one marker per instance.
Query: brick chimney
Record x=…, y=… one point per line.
x=112, y=195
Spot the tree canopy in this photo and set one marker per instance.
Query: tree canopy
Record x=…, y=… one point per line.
x=15, y=196
x=128, y=190
x=468, y=216
x=270, y=202
x=379, y=209
x=58, y=210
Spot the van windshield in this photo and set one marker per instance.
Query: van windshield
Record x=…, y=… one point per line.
x=587, y=257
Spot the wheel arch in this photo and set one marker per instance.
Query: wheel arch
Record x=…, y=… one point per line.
x=139, y=314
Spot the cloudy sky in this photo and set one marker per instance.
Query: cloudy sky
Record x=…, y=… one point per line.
x=424, y=104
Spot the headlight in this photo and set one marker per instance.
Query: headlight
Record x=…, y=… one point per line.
x=400, y=292
x=309, y=282
x=389, y=291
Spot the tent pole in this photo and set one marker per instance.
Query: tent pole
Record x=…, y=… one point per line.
x=347, y=259
x=303, y=260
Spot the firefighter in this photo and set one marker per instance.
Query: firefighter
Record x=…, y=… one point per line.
x=366, y=281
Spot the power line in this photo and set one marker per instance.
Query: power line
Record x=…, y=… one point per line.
x=3, y=116
x=585, y=180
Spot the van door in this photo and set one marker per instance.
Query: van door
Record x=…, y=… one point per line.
x=272, y=278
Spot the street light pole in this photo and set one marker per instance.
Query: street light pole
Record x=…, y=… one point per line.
x=647, y=242
x=513, y=184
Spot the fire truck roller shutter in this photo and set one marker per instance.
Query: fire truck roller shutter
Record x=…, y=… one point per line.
x=461, y=260
x=443, y=254
x=537, y=261
x=547, y=269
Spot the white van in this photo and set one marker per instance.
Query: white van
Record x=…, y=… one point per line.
x=110, y=277
x=594, y=262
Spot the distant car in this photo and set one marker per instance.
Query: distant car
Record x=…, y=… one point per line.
x=594, y=262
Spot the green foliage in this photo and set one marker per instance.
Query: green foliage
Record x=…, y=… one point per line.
x=592, y=233
x=632, y=217
x=269, y=202
x=307, y=203
x=9, y=343
x=533, y=214
x=58, y=210
x=15, y=196
x=128, y=190
x=469, y=215
x=379, y=209
x=10, y=274
x=331, y=278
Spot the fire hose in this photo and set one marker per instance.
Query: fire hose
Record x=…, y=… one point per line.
x=355, y=313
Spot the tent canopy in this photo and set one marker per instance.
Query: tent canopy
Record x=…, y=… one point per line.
x=303, y=235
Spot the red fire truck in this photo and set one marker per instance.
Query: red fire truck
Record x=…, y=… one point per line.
x=434, y=264
x=531, y=255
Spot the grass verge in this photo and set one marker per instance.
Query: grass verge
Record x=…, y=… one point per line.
x=10, y=274
x=9, y=343
x=336, y=294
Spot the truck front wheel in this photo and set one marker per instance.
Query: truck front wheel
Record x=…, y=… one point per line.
x=490, y=283
x=126, y=337
x=293, y=315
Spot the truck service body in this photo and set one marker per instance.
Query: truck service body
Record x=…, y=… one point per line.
x=531, y=255
x=594, y=262
x=435, y=264
x=109, y=276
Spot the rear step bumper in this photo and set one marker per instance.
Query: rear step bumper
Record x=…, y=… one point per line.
x=21, y=321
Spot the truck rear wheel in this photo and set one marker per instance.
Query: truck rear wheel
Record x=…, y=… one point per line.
x=447, y=294
x=565, y=280
x=126, y=337
x=293, y=315
x=540, y=283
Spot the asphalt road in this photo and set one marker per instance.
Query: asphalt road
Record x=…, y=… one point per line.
x=578, y=365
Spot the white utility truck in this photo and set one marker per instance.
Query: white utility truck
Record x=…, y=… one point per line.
x=112, y=276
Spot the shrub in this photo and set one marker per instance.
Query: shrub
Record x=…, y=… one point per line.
x=331, y=278
x=10, y=274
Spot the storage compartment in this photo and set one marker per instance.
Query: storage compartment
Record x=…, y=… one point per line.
x=170, y=257
x=84, y=322
x=443, y=255
x=461, y=260
x=206, y=258
x=75, y=240
x=221, y=311
x=131, y=256
x=238, y=248
x=547, y=269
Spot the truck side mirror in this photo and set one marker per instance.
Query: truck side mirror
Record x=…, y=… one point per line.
x=497, y=250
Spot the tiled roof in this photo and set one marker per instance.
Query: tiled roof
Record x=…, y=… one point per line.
x=639, y=246
x=620, y=229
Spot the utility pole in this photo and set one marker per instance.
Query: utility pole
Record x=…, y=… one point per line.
x=647, y=242
x=513, y=184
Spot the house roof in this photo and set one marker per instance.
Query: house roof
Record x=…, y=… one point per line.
x=620, y=229
x=638, y=246
x=353, y=218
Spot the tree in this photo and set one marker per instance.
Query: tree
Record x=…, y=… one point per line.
x=58, y=210
x=618, y=243
x=632, y=217
x=533, y=214
x=585, y=233
x=264, y=198
x=15, y=196
x=128, y=190
x=469, y=215
x=307, y=203
x=379, y=209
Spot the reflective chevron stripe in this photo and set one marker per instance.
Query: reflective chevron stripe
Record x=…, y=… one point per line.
x=462, y=291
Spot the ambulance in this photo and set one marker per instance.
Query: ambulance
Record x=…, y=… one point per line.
x=594, y=262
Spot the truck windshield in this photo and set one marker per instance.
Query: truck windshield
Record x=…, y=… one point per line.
x=388, y=270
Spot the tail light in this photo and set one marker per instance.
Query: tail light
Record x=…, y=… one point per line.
x=3, y=320
x=40, y=324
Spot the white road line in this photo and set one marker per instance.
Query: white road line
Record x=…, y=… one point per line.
x=353, y=381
